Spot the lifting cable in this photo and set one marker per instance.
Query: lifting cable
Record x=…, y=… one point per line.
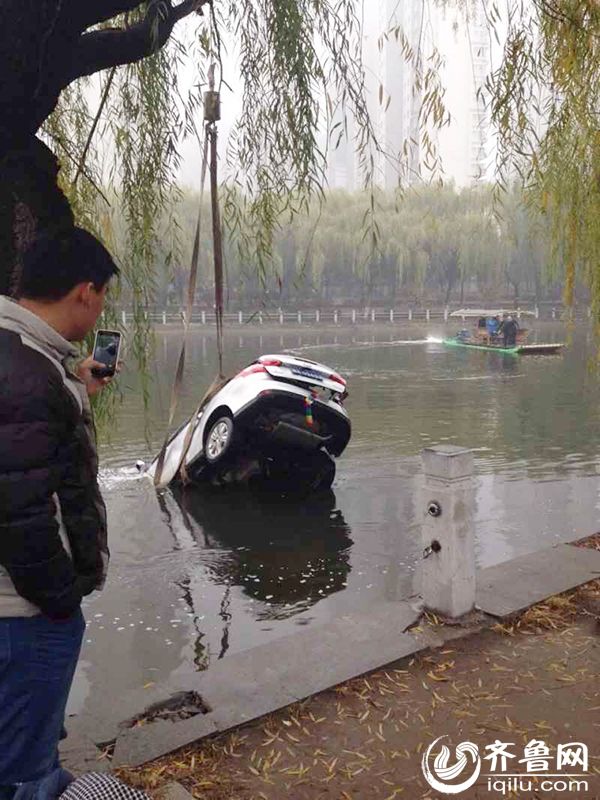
x=211, y=117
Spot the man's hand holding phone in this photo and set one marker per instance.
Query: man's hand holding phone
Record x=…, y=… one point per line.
x=100, y=368
x=93, y=383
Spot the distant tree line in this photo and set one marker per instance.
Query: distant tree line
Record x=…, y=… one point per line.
x=434, y=244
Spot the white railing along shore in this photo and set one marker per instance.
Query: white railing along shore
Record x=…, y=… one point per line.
x=330, y=316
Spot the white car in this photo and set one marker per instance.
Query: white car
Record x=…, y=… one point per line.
x=277, y=423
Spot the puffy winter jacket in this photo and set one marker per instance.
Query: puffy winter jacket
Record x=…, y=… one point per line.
x=52, y=519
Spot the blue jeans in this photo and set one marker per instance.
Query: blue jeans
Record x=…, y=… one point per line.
x=37, y=663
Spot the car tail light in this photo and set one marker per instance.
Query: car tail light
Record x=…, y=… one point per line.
x=338, y=378
x=271, y=362
x=251, y=370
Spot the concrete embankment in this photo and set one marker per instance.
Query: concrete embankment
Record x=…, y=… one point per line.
x=348, y=712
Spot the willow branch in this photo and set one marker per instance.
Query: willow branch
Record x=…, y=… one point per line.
x=77, y=163
x=94, y=126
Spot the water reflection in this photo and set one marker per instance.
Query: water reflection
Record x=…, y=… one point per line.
x=286, y=554
x=504, y=363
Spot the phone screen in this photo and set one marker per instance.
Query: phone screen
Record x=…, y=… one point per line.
x=106, y=351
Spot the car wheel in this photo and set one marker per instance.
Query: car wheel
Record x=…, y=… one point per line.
x=219, y=440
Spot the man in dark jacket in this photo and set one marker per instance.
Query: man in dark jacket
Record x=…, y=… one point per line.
x=53, y=547
x=509, y=329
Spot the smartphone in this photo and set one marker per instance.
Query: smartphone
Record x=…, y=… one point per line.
x=107, y=347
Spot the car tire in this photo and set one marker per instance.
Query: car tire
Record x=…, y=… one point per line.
x=218, y=443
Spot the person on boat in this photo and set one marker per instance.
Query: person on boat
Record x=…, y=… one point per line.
x=492, y=325
x=509, y=329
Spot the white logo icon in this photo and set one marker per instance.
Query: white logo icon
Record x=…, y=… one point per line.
x=440, y=777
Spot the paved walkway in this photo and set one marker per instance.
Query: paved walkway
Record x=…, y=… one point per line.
x=536, y=678
x=261, y=680
x=365, y=739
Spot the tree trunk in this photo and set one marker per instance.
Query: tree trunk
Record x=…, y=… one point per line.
x=449, y=286
x=30, y=201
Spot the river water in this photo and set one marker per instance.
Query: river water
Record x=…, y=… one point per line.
x=195, y=578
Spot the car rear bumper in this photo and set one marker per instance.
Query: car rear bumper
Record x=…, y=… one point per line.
x=325, y=416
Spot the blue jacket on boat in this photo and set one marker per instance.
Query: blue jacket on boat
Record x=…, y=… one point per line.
x=492, y=325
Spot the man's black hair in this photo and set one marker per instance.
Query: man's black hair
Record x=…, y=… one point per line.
x=58, y=261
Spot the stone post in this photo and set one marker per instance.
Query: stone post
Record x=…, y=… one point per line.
x=391, y=314
x=203, y=317
x=240, y=317
x=448, y=567
x=410, y=314
x=164, y=317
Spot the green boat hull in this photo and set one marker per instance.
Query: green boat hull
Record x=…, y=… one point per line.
x=457, y=343
x=518, y=350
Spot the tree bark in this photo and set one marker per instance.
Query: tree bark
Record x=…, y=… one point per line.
x=30, y=201
x=113, y=47
x=94, y=13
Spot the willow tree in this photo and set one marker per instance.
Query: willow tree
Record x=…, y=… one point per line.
x=96, y=89
x=545, y=100
x=65, y=134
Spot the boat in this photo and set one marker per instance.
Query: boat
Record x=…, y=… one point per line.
x=484, y=336
x=544, y=348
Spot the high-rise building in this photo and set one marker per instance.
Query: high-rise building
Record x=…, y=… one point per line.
x=412, y=49
x=342, y=168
